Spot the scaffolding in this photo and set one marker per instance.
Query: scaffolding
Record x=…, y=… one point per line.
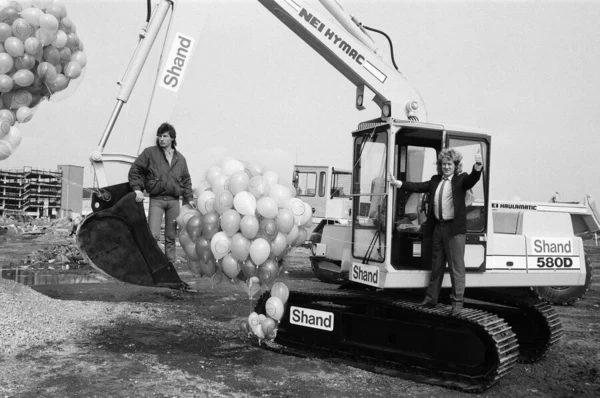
x=30, y=191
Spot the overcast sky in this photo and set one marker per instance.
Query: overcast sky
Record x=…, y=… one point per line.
x=526, y=71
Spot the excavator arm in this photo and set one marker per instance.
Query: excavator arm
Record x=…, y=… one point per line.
x=117, y=228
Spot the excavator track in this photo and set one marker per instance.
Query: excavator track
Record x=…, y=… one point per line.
x=379, y=332
x=535, y=322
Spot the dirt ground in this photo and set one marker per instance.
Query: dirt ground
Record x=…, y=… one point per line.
x=173, y=344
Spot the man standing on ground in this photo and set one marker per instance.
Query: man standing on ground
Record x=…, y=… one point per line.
x=163, y=172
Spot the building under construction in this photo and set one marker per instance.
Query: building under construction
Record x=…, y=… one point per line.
x=40, y=192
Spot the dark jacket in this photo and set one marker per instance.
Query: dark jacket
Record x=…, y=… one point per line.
x=460, y=185
x=151, y=171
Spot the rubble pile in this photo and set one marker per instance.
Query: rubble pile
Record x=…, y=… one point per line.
x=57, y=254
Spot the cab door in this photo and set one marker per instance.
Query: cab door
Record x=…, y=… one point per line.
x=469, y=145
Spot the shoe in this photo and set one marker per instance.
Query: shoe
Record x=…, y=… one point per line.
x=455, y=311
x=427, y=304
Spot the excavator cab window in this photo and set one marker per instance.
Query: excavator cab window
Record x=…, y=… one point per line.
x=307, y=183
x=370, y=186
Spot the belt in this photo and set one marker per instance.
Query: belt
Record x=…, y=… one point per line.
x=164, y=197
x=442, y=222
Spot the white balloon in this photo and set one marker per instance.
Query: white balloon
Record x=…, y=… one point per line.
x=206, y=202
x=231, y=166
x=245, y=203
x=220, y=245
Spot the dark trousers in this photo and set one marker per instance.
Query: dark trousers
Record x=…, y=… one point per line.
x=170, y=210
x=450, y=249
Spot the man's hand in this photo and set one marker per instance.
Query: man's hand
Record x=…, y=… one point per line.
x=192, y=204
x=478, y=161
x=393, y=181
x=139, y=196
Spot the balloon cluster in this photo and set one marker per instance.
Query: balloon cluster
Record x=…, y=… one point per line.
x=40, y=53
x=245, y=224
x=265, y=326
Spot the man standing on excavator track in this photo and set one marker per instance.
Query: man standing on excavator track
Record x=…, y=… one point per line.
x=163, y=172
x=447, y=224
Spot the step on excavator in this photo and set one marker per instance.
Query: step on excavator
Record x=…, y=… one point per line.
x=372, y=321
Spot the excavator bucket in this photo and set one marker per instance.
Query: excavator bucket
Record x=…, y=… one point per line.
x=116, y=240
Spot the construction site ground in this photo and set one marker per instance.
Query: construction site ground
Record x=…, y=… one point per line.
x=116, y=340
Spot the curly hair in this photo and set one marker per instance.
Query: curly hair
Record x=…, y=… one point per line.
x=454, y=156
x=167, y=128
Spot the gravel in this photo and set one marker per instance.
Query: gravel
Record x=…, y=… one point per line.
x=28, y=318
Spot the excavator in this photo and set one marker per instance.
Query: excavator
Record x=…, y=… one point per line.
x=374, y=320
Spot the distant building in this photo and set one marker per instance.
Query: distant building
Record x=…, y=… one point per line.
x=40, y=192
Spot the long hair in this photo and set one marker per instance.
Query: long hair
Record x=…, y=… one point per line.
x=454, y=156
x=167, y=128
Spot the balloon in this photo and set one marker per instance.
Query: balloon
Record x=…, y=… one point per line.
x=249, y=269
x=220, y=184
x=301, y=238
x=274, y=308
x=9, y=115
x=271, y=177
x=27, y=61
x=185, y=213
x=244, y=203
x=47, y=72
x=244, y=326
x=201, y=187
x=203, y=249
x=268, y=271
x=280, y=194
x=184, y=238
x=230, y=266
x=17, y=99
x=190, y=251
x=307, y=215
x=14, y=47
x=238, y=182
x=80, y=58
x=240, y=246
x=253, y=285
x=67, y=25
x=285, y=220
x=267, y=207
x=72, y=70
x=210, y=225
x=45, y=36
x=206, y=202
x=208, y=267
x=259, y=251
x=24, y=114
x=58, y=10
x=49, y=23
x=60, y=40
x=257, y=186
x=60, y=83
x=252, y=169
x=32, y=15
x=268, y=326
x=211, y=173
x=65, y=55
x=249, y=226
x=292, y=235
x=297, y=207
x=230, y=166
x=4, y=127
x=6, y=63
x=281, y=291
x=51, y=54
x=220, y=245
x=230, y=222
x=253, y=320
x=267, y=229
x=8, y=15
x=22, y=29
x=13, y=138
x=193, y=226
x=223, y=202
x=278, y=245
x=5, y=31
x=6, y=83
x=23, y=77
